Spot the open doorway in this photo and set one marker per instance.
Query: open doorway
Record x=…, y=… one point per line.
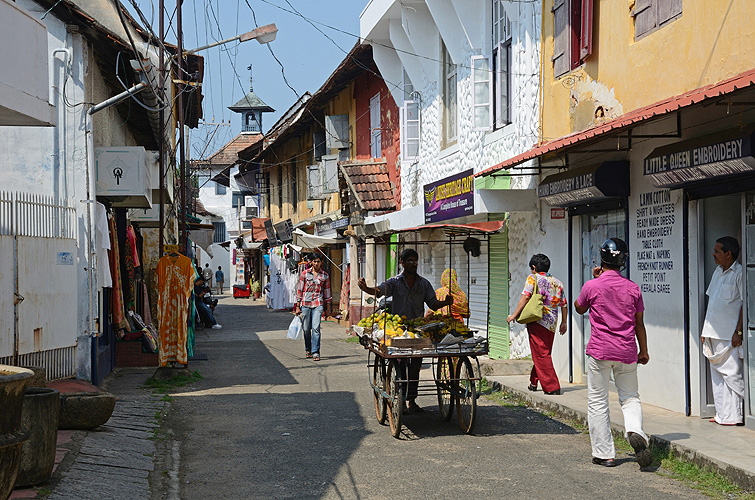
x=719, y=216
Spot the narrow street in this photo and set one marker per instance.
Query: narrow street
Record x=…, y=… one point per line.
x=265, y=422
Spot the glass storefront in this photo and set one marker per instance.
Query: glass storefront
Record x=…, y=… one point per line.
x=597, y=228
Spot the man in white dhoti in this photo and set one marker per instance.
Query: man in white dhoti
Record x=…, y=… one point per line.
x=722, y=333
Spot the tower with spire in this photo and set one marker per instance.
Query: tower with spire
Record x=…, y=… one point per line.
x=251, y=108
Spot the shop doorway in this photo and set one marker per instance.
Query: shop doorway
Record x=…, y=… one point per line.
x=597, y=228
x=719, y=216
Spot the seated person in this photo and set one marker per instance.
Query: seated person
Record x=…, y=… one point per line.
x=204, y=311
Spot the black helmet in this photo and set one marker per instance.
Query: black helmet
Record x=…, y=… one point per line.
x=614, y=252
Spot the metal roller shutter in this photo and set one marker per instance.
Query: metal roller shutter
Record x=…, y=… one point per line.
x=498, y=296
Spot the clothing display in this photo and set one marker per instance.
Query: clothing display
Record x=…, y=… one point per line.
x=345, y=285
x=102, y=245
x=282, y=281
x=118, y=310
x=176, y=277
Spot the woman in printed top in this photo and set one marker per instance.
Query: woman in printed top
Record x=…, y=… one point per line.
x=312, y=297
x=541, y=333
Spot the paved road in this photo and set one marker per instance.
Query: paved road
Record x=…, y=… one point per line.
x=265, y=422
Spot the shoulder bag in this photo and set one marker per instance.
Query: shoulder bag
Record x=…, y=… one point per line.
x=533, y=310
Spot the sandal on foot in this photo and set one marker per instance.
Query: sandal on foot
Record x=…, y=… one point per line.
x=315, y=357
x=532, y=388
x=605, y=462
x=309, y=354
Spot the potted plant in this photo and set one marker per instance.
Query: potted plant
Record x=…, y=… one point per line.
x=256, y=288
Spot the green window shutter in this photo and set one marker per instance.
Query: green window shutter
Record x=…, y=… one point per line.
x=498, y=295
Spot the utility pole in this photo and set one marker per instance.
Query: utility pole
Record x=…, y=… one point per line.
x=181, y=150
x=161, y=102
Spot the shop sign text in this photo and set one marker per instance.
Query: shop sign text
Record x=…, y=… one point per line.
x=450, y=198
x=656, y=217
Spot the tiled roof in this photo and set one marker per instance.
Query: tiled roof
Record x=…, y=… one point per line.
x=370, y=184
x=659, y=109
x=229, y=154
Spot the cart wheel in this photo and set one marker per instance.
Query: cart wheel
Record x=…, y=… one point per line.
x=395, y=397
x=466, y=397
x=444, y=374
x=378, y=385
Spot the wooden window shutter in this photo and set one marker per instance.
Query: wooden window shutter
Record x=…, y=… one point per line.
x=337, y=131
x=314, y=183
x=376, y=146
x=668, y=9
x=645, y=16
x=561, y=62
x=329, y=172
x=585, y=33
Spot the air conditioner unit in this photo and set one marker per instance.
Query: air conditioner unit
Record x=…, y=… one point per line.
x=250, y=213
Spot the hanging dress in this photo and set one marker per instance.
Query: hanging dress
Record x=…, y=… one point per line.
x=176, y=276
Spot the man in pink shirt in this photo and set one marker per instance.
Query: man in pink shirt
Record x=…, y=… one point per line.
x=616, y=320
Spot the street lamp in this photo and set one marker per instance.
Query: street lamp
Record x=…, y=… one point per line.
x=263, y=34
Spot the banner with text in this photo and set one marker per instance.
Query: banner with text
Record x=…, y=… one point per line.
x=450, y=198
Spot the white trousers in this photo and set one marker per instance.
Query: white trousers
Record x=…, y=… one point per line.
x=598, y=415
x=728, y=384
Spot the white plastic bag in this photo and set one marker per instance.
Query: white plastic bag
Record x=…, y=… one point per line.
x=295, y=330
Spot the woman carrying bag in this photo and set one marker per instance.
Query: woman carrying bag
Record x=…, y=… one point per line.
x=541, y=286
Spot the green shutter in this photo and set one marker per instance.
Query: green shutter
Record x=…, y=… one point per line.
x=498, y=295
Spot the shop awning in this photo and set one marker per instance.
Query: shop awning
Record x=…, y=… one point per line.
x=304, y=240
x=259, y=233
x=724, y=154
x=609, y=179
x=479, y=228
x=636, y=117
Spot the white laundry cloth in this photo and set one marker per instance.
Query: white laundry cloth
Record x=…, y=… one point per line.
x=598, y=415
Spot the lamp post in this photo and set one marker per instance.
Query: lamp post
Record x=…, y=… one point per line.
x=263, y=34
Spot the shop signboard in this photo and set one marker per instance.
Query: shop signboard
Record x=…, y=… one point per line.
x=450, y=198
x=709, y=157
x=270, y=231
x=605, y=180
x=330, y=228
x=285, y=231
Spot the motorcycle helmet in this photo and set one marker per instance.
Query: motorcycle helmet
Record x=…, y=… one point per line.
x=614, y=252
x=472, y=246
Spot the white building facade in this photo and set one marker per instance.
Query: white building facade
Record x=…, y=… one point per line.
x=466, y=77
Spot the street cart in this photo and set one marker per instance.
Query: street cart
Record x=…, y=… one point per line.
x=448, y=342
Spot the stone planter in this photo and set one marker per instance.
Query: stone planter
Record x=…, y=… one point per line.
x=85, y=410
x=13, y=383
x=40, y=416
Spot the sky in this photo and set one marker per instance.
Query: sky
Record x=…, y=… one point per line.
x=308, y=55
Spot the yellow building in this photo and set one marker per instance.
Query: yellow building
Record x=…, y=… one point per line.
x=647, y=134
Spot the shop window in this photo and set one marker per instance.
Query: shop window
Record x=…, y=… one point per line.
x=650, y=15
x=572, y=34
x=448, y=70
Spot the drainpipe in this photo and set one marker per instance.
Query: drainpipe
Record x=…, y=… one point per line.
x=92, y=333
x=61, y=159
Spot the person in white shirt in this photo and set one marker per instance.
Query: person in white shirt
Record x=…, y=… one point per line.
x=722, y=333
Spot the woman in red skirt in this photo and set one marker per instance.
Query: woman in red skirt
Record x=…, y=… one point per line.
x=541, y=333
